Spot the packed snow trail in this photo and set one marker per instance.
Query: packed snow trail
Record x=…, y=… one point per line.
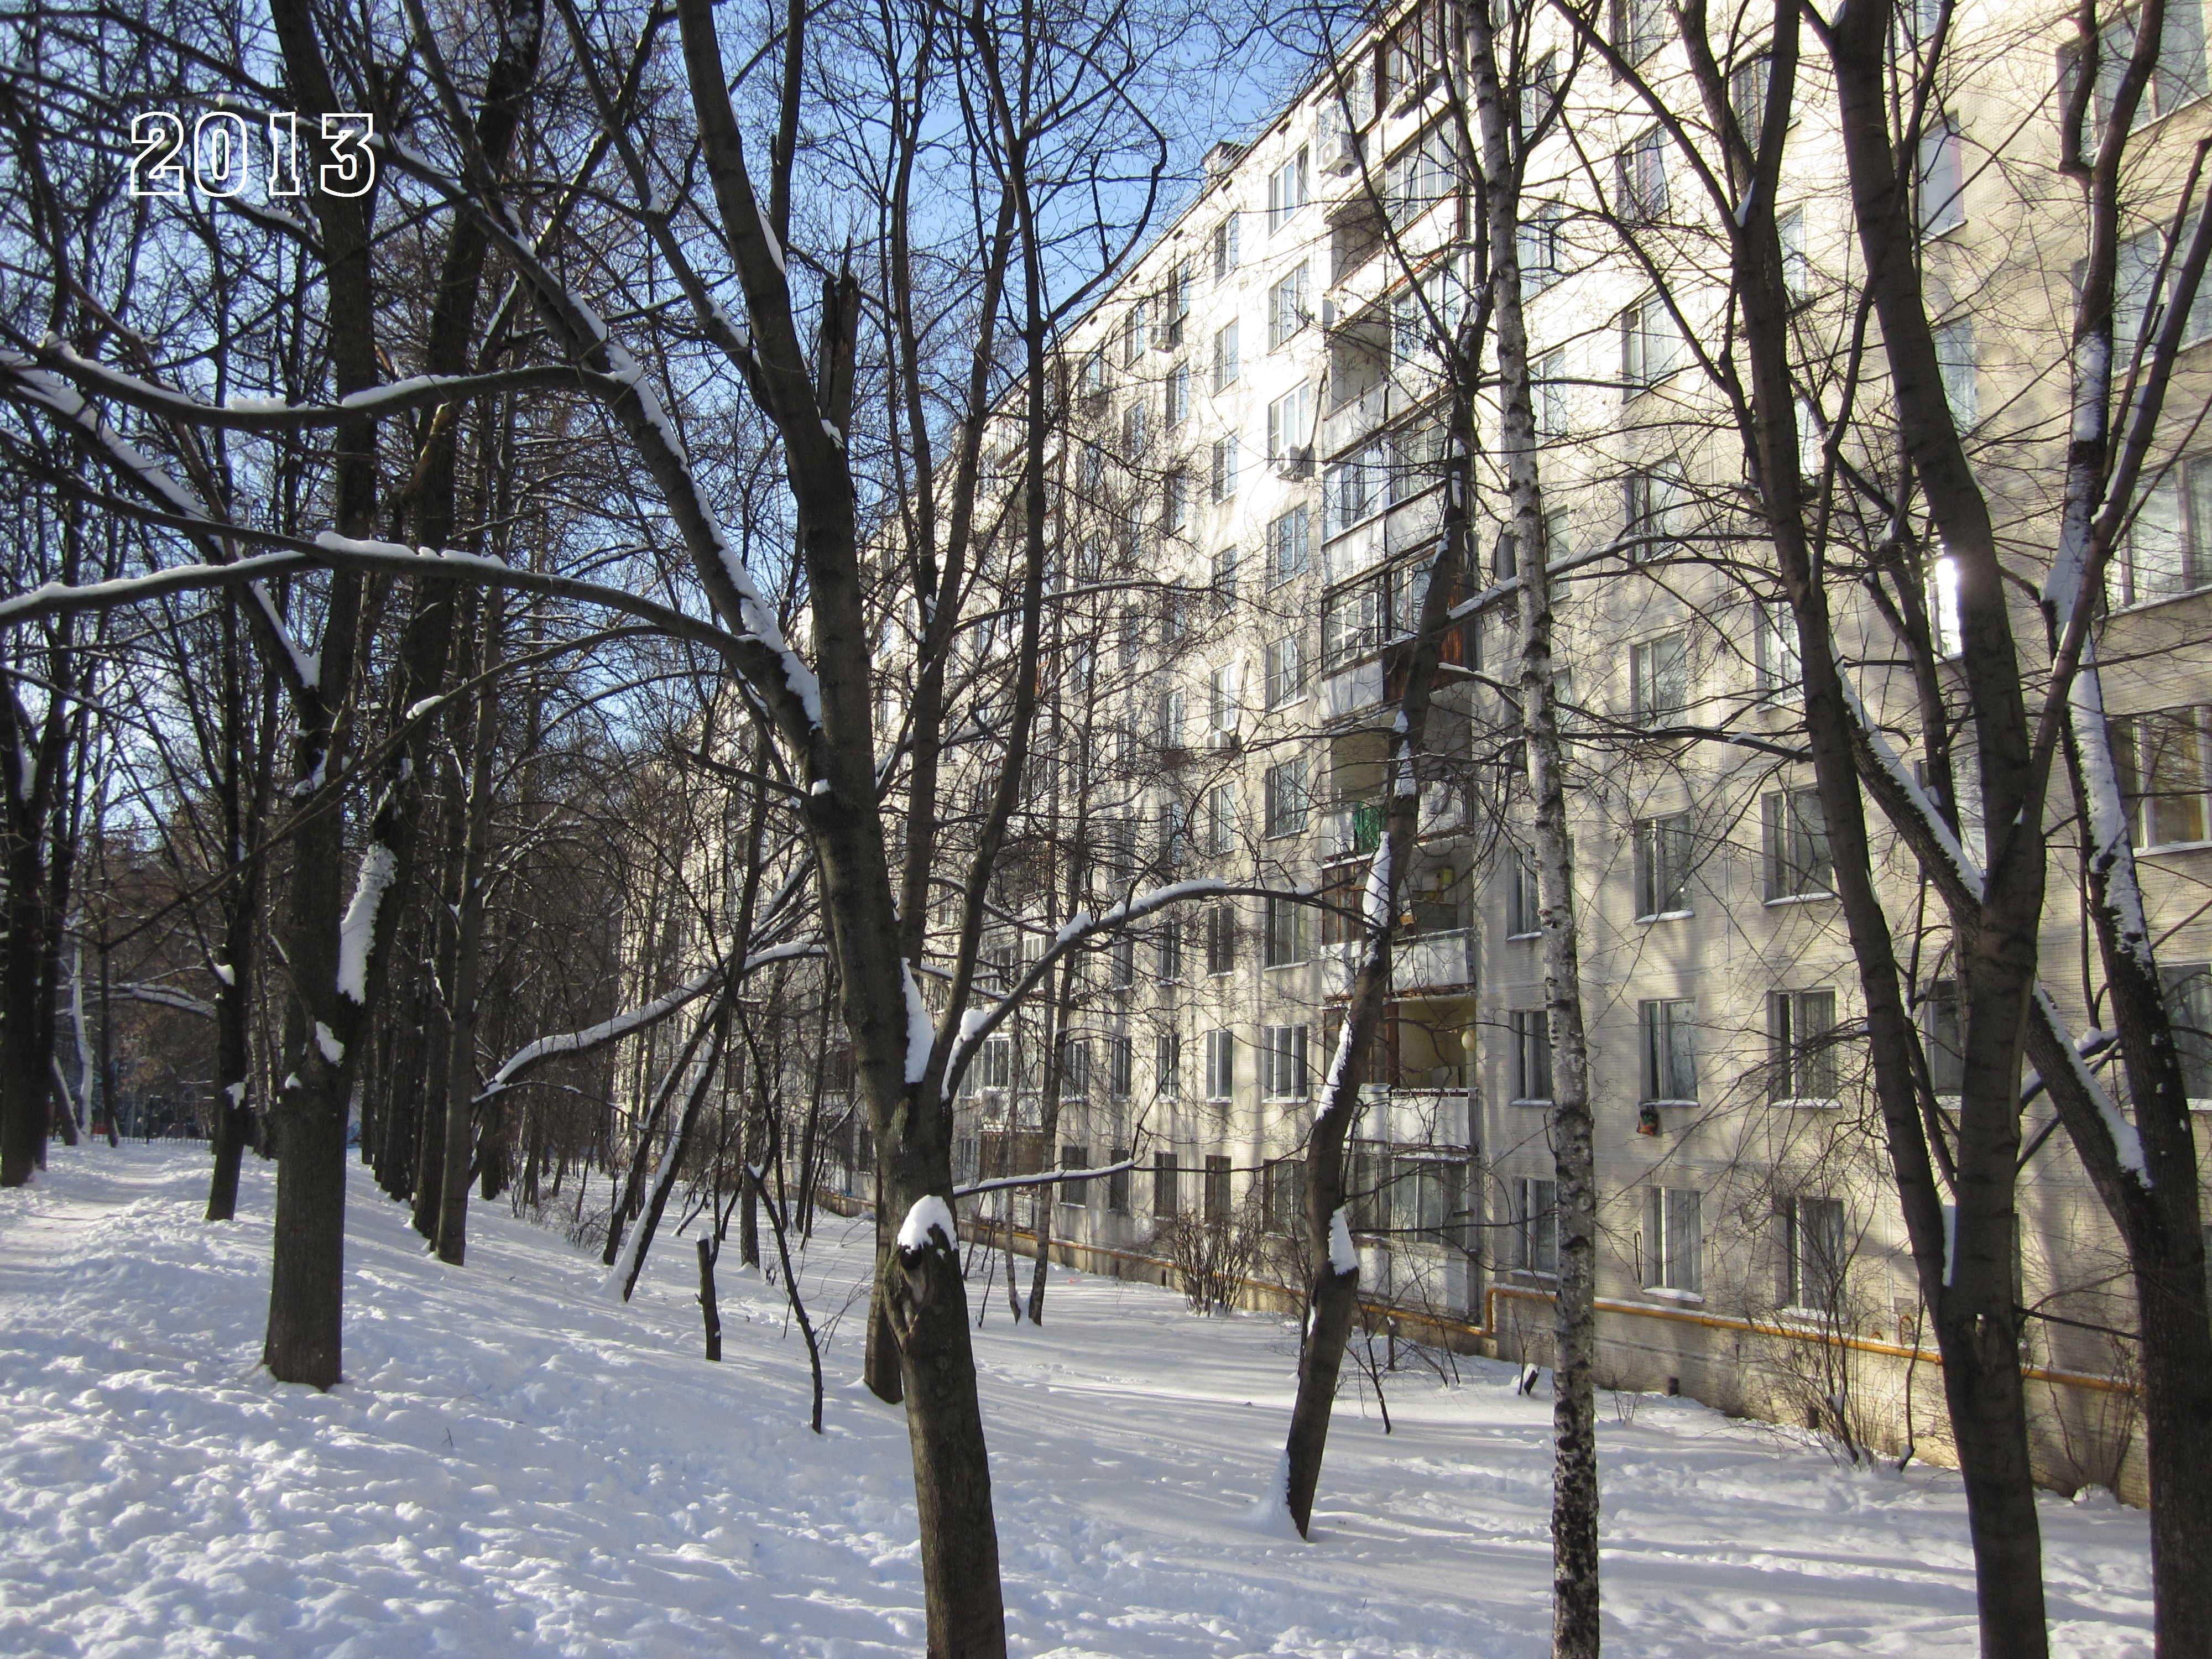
x=513, y=1467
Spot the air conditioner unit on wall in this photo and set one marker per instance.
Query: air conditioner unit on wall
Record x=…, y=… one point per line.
x=1296, y=463
x=1339, y=151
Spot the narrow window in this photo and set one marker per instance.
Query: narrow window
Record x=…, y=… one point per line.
x=1674, y=1240
x=1662, y=866
x=1288, y=799
x=1670, y=1054
x=1802, y=1046
x=1532, y=1056
x=1220, y=939
x=1796, y=832
x=1220, y=1064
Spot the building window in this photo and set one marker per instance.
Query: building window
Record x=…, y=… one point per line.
x=1812, y=1254
x=1285, y=1190
x=1524, y=901
x=1093, y=375
x=1220, y=1064
x=1134, y=335
x=1121, y=961
x=1074, y=1066
x=1954, y=362
x=1167, y=1183
x=1290, y=545
x=1169, y=728
x=1223, y=709
x=1663, y=857
x=1668, y=1029
x=1283, y=1071
x=2189, y=1005
x=1939, y=176
x=1225, y=368
x=1288, y=187
x=1167, y=1065
x=1132, y=429
x=2164, y=765
x=1650, y=345
x=1220, y=939
x=1283, y=942
x=1775, y=663
x=1659, y=677
x=1532, y=1056
x=1801, y=1048
x=1551, y=395
x=1290, y=431
x=1370, y=1188
x=1674, y=1240
x=1168, y=949
x=1351, y=490
x=1420, y=176
x=1221, y=820
x=1351, y=622
x=2168, y=548
x=1288, y=799
x=1640, y=178
x=1797, y=266
x=1539, y=244
x=1535, y=1242
x=1215, y=1194
x=1225, y=578
x=997, y=1062
x=1178, y=397
x=1945, y=1036
x=2132, y=286
x=1225, y=247
x=1288, y=307
x=1638, y=28
x=1121, y=1059
x=1652, y=500
x=1117, y=1184
x=1747, y=83
x=1224, y=467
x=1796, y=836
x=1175, y=504
x=1074, y=1195
x=1287, y=672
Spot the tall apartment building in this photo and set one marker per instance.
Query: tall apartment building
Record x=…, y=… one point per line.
x=1249, y=488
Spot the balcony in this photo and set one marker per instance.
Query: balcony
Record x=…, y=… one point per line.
x=1424, y=961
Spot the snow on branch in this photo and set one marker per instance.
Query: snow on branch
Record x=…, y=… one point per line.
x=1044, y=1178
x=613, y=1028
x=161, y=996
x=2127, y=1144
x=1932, y=833
x=275, y=414
x=976, y=1025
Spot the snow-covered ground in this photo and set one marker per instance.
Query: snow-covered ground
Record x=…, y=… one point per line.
x=517, y=1466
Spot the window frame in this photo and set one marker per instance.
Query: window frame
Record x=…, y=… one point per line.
x=1666, y=1029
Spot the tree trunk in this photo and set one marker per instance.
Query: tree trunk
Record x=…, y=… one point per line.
x=1575, y=1581
x=1333, y=1296
x=461, y=1040
x=710, y=1308
x=23, y=1063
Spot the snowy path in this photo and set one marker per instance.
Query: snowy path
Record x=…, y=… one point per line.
x=516, y=1466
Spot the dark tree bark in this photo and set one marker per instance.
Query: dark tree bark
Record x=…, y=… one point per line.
x=1332, y=1294
x=710, y=1308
